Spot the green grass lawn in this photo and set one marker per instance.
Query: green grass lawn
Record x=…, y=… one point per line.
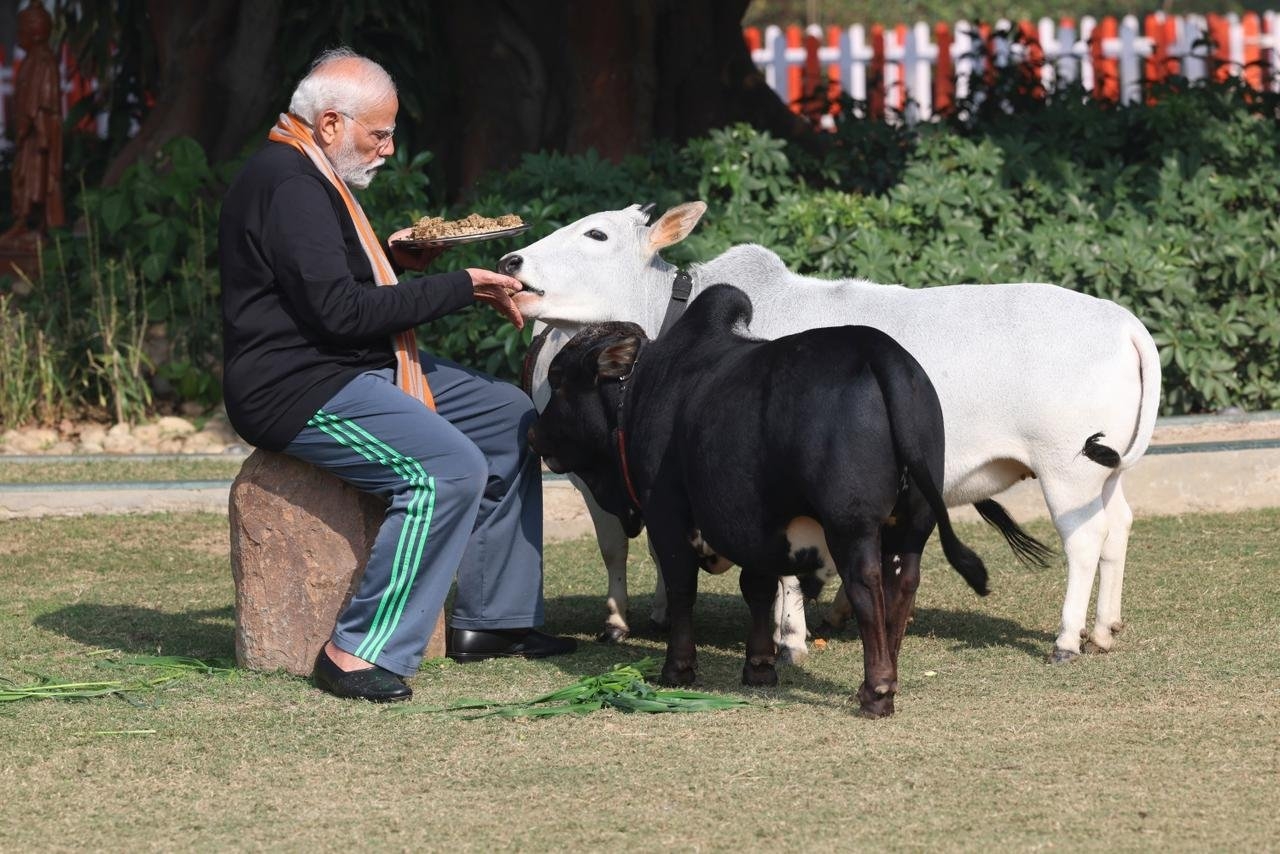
x=106, y=469
x=1171, y=742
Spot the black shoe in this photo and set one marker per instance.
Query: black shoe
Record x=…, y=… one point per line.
x=375, y=684
x=475, y=645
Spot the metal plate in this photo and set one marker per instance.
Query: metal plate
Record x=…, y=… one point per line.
x=462, y=238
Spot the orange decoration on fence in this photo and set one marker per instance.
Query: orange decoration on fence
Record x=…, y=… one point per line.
x=1106, y=71
x=1252, y=29
x=1220, y=34
x=944, y=80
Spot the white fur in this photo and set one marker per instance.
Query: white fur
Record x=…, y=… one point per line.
x=1025, y=372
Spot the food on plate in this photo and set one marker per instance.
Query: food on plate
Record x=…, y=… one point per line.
x=435, y=228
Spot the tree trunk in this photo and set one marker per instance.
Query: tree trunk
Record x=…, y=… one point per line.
x=576, y=75
x=214, y=58
x=708, y=79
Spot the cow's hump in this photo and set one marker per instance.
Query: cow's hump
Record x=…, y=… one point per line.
x=746, y=262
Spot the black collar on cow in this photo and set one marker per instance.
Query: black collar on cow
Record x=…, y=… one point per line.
x=681, y=289
x=623, y=387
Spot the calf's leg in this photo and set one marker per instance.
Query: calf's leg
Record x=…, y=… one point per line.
x=901, y=577
x=902, y=542
x=857, y=555
x=759, y=589
x=678, y=563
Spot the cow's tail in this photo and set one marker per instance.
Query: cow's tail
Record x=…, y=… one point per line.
x=1149, y=404
x=915, y=422
x=1025, y=547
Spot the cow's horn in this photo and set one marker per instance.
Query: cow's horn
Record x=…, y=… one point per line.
x=647, y=210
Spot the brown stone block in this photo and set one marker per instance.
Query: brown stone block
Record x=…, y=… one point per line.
x=300, y=539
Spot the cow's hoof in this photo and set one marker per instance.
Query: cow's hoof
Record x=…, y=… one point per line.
x=676, y=676
x=1101, y=640
x=613, y=634
x=1062, y=656
x=759, y=675
x=1117, y=627
x=880, y=707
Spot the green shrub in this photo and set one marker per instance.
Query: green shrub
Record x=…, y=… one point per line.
x=131, y=305
x=1171, y=209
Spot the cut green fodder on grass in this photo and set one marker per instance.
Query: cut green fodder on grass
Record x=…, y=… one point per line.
x=623, y=688
x=175, y=667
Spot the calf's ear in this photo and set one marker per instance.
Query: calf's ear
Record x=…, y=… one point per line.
x=675, y=225
x=615, y=360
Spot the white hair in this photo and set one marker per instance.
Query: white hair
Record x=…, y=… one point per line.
x=343, y=80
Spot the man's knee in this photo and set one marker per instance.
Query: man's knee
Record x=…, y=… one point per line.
x=468, y=472
x=517, y=408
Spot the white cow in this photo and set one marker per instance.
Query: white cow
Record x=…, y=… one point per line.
x=1035, y=380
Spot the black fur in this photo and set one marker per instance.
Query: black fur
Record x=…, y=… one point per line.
x=811, y=585
x=1100, y=453
x=1025, y=547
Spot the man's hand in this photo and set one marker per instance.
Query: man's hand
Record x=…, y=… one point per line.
x=412, y=257
x=496, y=290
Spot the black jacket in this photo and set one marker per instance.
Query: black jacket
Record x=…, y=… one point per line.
x=301, y=315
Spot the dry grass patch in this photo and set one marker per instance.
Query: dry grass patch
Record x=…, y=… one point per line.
x=1168, y=742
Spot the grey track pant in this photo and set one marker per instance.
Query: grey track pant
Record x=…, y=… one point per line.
x=465, y=498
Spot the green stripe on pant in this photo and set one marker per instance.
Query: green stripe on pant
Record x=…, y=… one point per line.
x=413, y=536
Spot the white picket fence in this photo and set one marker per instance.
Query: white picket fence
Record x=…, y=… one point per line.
x=896, y=68
x=907, y=57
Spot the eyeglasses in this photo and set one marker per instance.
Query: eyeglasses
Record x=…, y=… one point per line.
x=382, y=135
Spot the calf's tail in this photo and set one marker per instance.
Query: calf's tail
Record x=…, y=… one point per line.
x=915, y=421
x=1025, y=547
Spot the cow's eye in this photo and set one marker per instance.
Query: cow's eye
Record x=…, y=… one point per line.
x=597, y=234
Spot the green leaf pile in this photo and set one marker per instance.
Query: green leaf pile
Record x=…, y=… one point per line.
x=623, y=688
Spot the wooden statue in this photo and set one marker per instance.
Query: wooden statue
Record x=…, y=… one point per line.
x=37, y=160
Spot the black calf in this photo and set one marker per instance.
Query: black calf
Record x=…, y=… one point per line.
x=782, y=456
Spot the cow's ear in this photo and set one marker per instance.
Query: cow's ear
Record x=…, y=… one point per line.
x=616, y=359
x=675, y=225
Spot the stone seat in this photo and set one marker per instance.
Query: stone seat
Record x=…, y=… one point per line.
x=300, y=538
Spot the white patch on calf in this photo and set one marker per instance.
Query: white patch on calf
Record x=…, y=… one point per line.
x=807, y=542
x=707, y=557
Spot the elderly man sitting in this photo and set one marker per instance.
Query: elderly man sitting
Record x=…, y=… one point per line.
x=320, y=362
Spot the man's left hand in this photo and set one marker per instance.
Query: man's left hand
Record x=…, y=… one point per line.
x=412, y=257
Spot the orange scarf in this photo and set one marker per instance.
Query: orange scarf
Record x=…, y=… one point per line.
x=291, y=130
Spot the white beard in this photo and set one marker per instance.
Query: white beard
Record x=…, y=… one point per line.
x=352, y=168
